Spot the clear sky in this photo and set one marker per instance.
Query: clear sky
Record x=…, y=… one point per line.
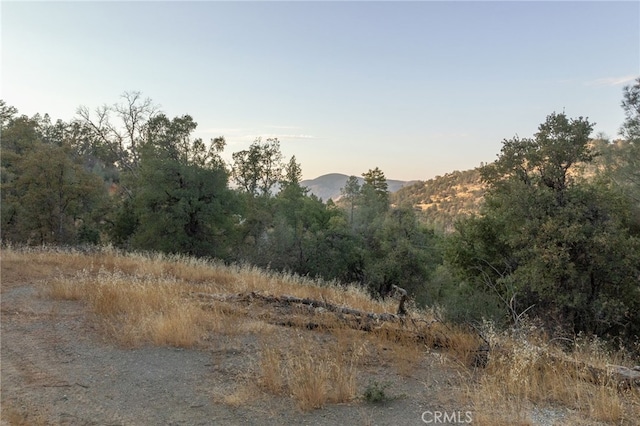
x=417, y=89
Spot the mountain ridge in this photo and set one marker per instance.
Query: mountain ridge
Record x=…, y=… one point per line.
x=438, y=201
x=328, y=186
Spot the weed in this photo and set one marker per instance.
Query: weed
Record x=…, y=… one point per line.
x=375, y=392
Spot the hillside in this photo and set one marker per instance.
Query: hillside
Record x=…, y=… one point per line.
x=328, y=186
x=108, y=338
x=439, y=201
x=442, y=200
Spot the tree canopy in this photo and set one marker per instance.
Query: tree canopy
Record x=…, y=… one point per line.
x=550, y=241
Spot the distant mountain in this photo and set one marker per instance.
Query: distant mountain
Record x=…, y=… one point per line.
x=439, y=202
x=328, y=186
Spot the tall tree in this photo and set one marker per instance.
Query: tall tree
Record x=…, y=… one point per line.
x=351, y=193
x=290, y=186
x=628, y=173
x=182, y=201
x=631, y=105
x=119, y=130
x=258, y=169
x=549, y=243
x=47, y=194
x=374, y=199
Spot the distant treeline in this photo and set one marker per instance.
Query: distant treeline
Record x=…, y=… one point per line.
x=550, y=230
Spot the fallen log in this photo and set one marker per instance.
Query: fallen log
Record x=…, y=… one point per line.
x=625, y=376
x=285, y=299
x=418, y=330
x=405, y=329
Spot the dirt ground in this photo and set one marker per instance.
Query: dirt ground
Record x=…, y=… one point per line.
x=57, y=369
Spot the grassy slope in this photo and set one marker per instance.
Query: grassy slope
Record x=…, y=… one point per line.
x=138, y=300
x=443, y=199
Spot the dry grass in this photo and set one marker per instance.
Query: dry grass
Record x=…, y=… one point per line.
x=141, y=299
x=313, y=373
x=149, y=299
x=271, y=370
x=16, y=417
x=398, y=349
x=242, y=395
x=136, y=310
x=522, y=375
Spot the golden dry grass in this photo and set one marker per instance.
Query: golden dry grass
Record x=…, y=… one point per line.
x=146, y=299
x=152, y=299
x=522, y=375
x=314, y=373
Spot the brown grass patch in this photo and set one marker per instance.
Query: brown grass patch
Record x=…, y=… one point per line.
x=521, y=375
x=271, y=370
x=149, y=299
x=313, y=373
x=16, y=417
x=398, y=347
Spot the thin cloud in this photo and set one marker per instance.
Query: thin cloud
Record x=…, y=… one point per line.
x=298, y=136
x=280, y=136
x=283, y=127
x=611, y=81
x=223, y=130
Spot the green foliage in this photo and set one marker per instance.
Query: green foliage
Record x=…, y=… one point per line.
x=631, y=106
x=401, y=252
x=627, y=172
x=46, y=192
x=123, y=224
x=351, y=194
x=441, y=201
x=181, y=199
x=550, y=244
x=376, y=393
x=374, y=194
x=258, y=169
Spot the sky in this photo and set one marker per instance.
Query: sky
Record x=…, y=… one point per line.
x=417, y=89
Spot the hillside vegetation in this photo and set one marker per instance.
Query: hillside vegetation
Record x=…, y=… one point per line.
x=548, y=231
x=307, y=355
x=444, y=199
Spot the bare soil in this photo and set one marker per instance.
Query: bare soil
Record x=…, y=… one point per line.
x=57, y=368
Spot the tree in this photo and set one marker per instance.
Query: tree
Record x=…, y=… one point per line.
x=351, y=193
x=548, y=243
x=7, y=112
x=118, y=131
x=373, y=201
x=290, y=186
x=375, y=183
x=181, y=199
x=47, y=195
x=258, y=169
x=628, y=172
x=544, y=161
x=407, y=254
x=630, y=130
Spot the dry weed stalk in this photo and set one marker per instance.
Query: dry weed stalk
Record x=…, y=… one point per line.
x=312, y=373
x=521, y=375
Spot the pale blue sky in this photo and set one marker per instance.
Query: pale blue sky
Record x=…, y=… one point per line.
x=415, y=88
